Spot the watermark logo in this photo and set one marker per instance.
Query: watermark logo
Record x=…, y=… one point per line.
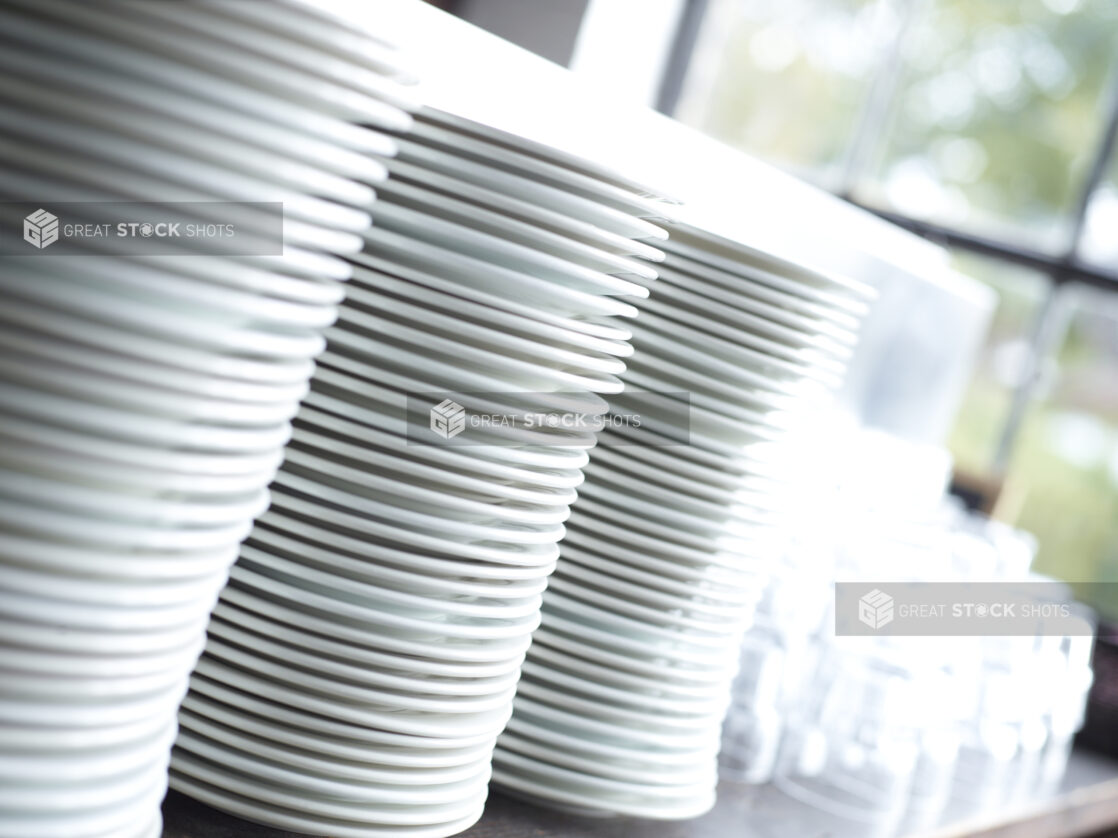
x=107, y=228
x=576, y=419
x=1024, y=608
x=40, y=229
x=875, y=609
x=448, y=419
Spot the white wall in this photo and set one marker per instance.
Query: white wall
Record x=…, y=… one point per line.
x=623, y=46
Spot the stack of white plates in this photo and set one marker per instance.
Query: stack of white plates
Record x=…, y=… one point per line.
x=364, y=657
x=145, y=400
x=624, y=690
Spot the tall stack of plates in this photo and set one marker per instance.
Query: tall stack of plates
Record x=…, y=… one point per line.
x=624, y=689
x=145, y=399
x=363, y=659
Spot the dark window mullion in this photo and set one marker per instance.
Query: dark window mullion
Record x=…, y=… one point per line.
x=679, y=55
x=1062, y=269
x=1047, y=326
x=1103, y=154
x=881, y=100
x=1051, y=323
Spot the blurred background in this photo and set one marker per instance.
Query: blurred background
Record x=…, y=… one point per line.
x=986, y=126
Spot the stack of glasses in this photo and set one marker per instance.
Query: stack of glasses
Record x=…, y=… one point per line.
x=889, y=735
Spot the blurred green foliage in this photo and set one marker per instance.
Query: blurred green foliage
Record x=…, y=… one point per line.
x=992, y=119
x=994, y=110
x=1062, y=479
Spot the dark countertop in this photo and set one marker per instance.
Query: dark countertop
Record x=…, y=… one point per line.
x=1087, y=804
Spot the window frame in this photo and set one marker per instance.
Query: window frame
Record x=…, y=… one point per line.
x=1061, y=269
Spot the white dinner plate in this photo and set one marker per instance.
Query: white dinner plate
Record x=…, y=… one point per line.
x=572, y=227
x=560, y=298
x=559, y=156
x=514, y=230
x=536, y=168
x=607, y=329
x=721, y=252
x=529, y=190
